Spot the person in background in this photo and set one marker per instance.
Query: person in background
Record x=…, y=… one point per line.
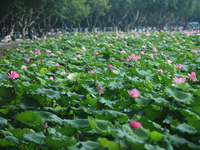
x=9, y=38
x=11, y=34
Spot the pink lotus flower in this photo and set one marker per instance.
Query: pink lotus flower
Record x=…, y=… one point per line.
x=135, y=125
x=179, y=66
x=51, y=78
x=91, y=72
x=52, y=54
x=184, y=56
x=48, y=51
x=100, y=89
x=57, y=64
x=155, y=50
x=23, y=67
x=116, y=71
x=195, y=51
x=134, y=93
x=75, y=58
x=79, y=55
x=160, y=70
x=142, y=52
x=28, y=60
x=96, y=53
x=59, y=52
x=138, y=57
x=123, y=51
x=42, y=61
x=131, y=57
x=110, y=66
x=178, y=80
x=13, y=75
x=192, y=76
x=169, y=62
x=38, y=52
x=62, y=73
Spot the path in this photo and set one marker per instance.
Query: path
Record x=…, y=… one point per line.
x=5, y=47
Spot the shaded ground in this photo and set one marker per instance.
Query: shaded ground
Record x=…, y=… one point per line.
x=5, y=47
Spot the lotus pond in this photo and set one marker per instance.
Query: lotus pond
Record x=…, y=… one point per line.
x=95, y=91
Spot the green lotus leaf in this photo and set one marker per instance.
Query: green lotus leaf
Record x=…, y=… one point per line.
x=36, y=138
x=179, y=95
x=3, y=122
x=154, y=147
x=12, y=139
x=186, y=128
x=86, y=145
x=5, y=143
x=50, y=93
x=49, y=117
x=99, y=126
x=56, y=143
x=155, y=136
x=18, y=132
x=77, y=123
x=115, y=85
x=29, y=118
x=108, y=144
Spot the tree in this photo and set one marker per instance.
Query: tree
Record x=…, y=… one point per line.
x=98, y=8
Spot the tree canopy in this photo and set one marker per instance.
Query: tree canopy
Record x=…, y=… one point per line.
x=124, y=14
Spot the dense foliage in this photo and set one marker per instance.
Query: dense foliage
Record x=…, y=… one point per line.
x=102, y=91
x=124, y=14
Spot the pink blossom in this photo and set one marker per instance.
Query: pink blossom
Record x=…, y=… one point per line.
x=123, y=51
x=23, y=67
x=135, y=125
x=162, y=53
x=48, y=51
x=79, y=55
x=96, y=53
x=142, y=52
x=169, y=62
x=59, y=52
x=100, y=89
x=83, y=48
x=38, y=52
x=116, y=71
x=195, y=51
x=75, y=47
x=122, y=59
x=13, y=75
x=138, y=57
x=52, y=54
x=151, y=56
x=134, y=93
x=178, y=80
x=111, y=44
x=131, y=57
x=184, y=56
x=57, y=64
x=28, y=60
x=160, y=70
x=192, y=76
x=75, y=58
x=42, y=61
x=62, y=73
x=155, y=50
x=179, y=66
x=91, y=72
x=51, y=78
x=110, y=66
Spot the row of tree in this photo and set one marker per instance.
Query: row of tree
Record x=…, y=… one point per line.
x=125, y=14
